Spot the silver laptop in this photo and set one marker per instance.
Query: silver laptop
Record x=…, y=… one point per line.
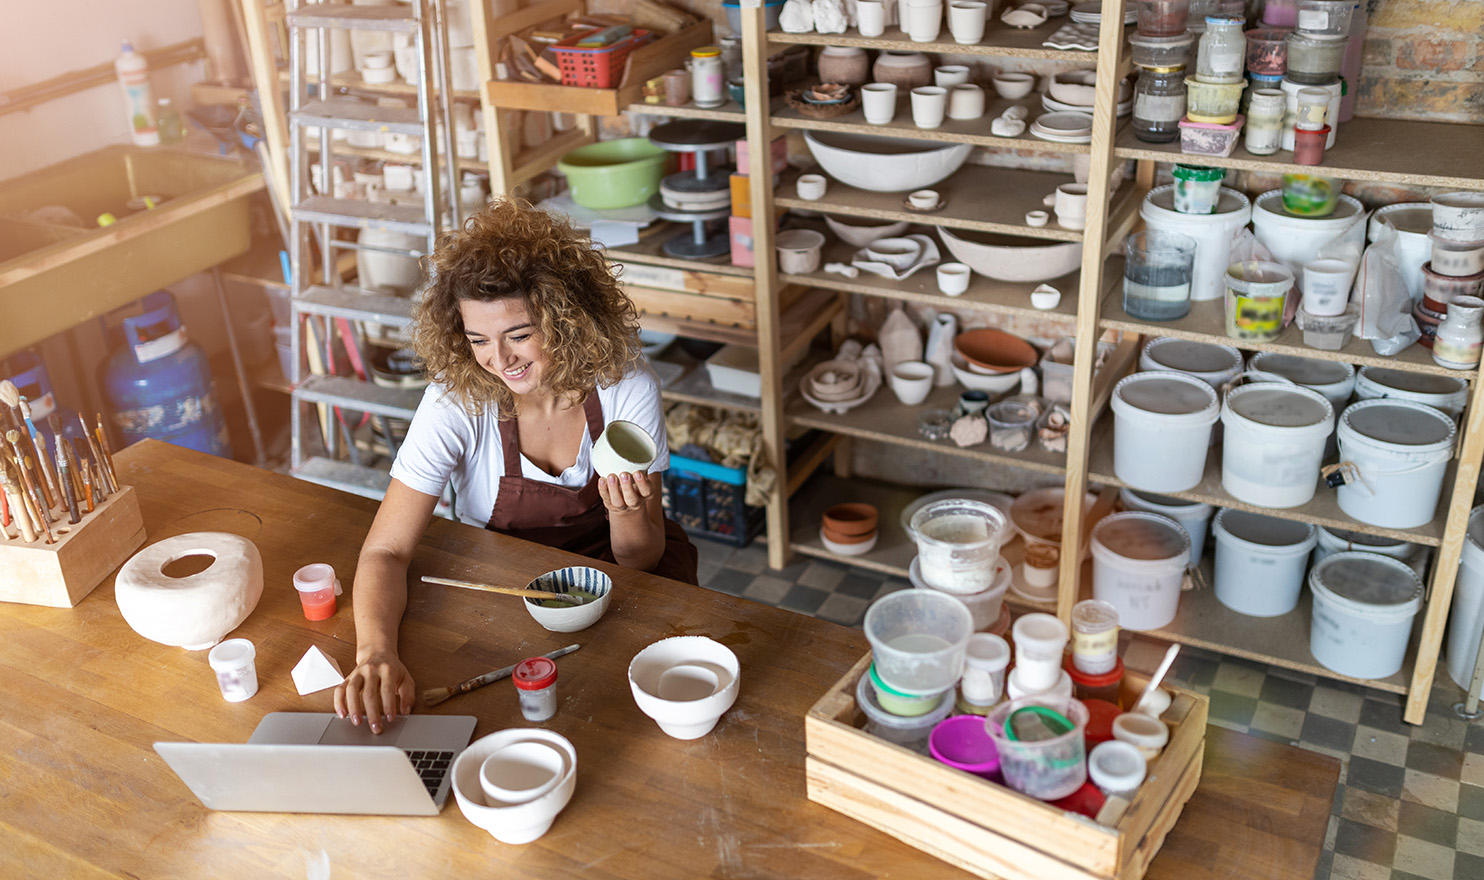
x=313, y=762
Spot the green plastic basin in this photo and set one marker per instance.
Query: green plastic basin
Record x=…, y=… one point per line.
x=614, y=174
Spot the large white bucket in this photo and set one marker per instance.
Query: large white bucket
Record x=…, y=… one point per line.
x=1294, y=241
x=1412, y=222
x=1162, y=430
x=1138, y=563
x=1194, y=516
x=1215, y=365
x=1466, y=619
x=1401, y=451
x=1334, y=379
x=1446, y=393
x=1332, y=540
x=1363, y=610
x=1274, y=442
x=1212, y=232
x=1260, y=562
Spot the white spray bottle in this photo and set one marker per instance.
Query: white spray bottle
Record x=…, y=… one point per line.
x=139, y=100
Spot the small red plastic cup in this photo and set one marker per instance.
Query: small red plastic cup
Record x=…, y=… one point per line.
x=317, y=588
x=1308, y=146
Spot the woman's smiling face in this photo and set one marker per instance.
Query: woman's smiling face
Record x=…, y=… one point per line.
x=505, y=341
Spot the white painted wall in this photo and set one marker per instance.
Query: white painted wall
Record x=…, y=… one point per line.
x=47, y=39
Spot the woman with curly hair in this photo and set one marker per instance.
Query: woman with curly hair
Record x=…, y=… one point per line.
x=533, y=347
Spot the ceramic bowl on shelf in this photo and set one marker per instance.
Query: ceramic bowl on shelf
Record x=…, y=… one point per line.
x=992, y=383
x=1009, y=258
x=851, y=518
x=859, y=234
x=995, y=350
x=884, y=164
x=1037, y=514
x=840, y=549
x=1013, y=86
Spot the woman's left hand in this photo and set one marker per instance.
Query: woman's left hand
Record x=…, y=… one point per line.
x=625, y=492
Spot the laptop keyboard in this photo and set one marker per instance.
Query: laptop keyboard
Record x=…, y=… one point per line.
x=432, y=766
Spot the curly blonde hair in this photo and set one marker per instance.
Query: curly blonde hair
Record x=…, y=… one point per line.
x=510, y=249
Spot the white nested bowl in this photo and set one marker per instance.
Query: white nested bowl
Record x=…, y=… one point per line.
x=973, y=380
x=512, y=823
x=684, y=719
x=884, y=164
x=571, y=618
x=1007, y=258
x=522, y=771
x=1013, y=86
x=861, y=236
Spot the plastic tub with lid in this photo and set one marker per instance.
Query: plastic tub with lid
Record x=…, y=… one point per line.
x=984, y=606
x=1334, y=379
x=1293, y=240
x=1412, y=222
x=1193, y=516
x=1363, y=610
x=1275, y=436
x=1162, y=430
x=1215, y=365
x=1260, y=562
x=1333, y=540
x=1212, y=232
x=1448, y=394
x=905, y=730
x=1138, y=563
x=1290, y=112
x=1466, y=618
x=1400, y=450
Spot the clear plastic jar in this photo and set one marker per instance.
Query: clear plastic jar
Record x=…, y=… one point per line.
x=1094, y=639
x=1264, y=129
x=1164, y=52
x=1222, y=52
x=1162, y=18
x=707, y=73
x=1267, y=51
x=1199, y=9
x=535, y=683
x=1314, y=62
x=1159, y=103
x=1324, y=18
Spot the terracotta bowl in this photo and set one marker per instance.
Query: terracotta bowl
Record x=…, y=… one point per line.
x=995, y=350
x=853, y=519
x=847, y=540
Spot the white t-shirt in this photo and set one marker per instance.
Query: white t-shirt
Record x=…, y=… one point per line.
x=445, y=444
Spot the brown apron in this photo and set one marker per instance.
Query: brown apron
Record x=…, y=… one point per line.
x=569, y=519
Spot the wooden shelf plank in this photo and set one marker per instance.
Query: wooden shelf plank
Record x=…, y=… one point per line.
x=695, y=387
x=730, y=111
x=961, y=131
x=650, y=249
x=1000, y=40
x=1385, y=150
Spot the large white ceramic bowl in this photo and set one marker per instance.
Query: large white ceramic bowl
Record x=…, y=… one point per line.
x=684, y=718
x=1007, y=258
x=512, y=823
x=993, y=383
x=571, y=618
x=884, y=164
x=860, y=236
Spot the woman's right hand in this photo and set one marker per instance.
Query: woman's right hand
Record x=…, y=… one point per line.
x=378, y=689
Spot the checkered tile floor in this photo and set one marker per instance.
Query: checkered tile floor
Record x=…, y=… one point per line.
x=1410, y=805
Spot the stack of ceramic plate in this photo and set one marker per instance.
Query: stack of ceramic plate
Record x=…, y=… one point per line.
x=1066, y=127
x=1054, y=105
x=1092, y=13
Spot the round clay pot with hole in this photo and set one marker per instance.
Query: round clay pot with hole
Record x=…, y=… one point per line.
x=855, y=518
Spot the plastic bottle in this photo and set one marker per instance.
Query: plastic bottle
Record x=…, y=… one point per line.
x=1350, y=65
x=172, y=130
x=133, y=74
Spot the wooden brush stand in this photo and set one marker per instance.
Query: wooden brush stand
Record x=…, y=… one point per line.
x=61, y=574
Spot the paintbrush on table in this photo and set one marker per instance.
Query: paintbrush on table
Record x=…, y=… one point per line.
x=509, y=591
x=434, y=696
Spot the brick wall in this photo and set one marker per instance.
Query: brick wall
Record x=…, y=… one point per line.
x=1424, y=59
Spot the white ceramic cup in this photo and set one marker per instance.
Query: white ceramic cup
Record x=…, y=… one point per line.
x=870, y=17
x=965, y=101
x=811, y=186
x=924, y=19
x=929, y=104
x=1037, y=218
x=924, y=199
x=950, y=75
x=1071, y=205
x=966, y=20
x=898, y=253
x=953, y=279
x=799, y=251
x=1326, y=287
x=912, y=381
x=879, y=102
x=623, y=448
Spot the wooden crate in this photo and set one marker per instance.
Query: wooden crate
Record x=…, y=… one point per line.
x=61, y=574
x=985, y=828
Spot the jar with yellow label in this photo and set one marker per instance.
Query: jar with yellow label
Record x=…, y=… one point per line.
x=707, y=72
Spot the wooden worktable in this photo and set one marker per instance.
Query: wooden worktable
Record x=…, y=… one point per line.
x=85, y=697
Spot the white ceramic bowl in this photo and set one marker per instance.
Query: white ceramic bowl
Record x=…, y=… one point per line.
x=898, y=253
x=861, y=236
x=1006, y=258
x=912, y=381
x=884, y=164
x=684, y=719
x=568, y=580
x=512, y=823
x=993, y=383
x=1013, y=86
x=522, y=771
x=860, y=549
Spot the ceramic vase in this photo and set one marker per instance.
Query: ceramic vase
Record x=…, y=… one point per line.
x=844, y=64
x=1459, y=335
x=906, y=70
x=900, y=341
x=940, y=348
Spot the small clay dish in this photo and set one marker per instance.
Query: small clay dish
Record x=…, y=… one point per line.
x=835, y=377
x=995, y=350
x=851, y=519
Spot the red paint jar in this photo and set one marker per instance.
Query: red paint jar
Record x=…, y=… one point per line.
x=1308, y=146
x=1105, y=686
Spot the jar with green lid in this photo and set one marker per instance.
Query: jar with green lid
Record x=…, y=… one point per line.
x=1264, y=129
x=1159, y=103
x=1197, y=188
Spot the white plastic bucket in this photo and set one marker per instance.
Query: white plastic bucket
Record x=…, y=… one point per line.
x=1162, y=430
x=1401, y=451
x=1466, y=619
x=1334, y=379
x=1260, y=562
x=1412, y=222
x=1215, y=365
x=1332, y=540
x=1138, y=563
x=1275, y=438
x=1294, y=241
x=1193, y=516
x=1446, y=393
x=1363, y=610
x=1212, y=233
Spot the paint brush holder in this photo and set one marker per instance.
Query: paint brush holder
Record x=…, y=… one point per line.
x=61, y=574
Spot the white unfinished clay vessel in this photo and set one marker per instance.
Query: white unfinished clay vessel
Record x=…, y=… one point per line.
x=196, y=611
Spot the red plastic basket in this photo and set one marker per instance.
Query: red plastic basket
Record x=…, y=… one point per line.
x=600, y=68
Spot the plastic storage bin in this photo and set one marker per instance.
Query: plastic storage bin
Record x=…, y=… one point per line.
x=709, y=500
x=597, y=68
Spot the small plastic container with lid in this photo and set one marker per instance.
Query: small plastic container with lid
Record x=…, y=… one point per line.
x=1095, y=640
x=317, y=587
x=1264, y=130
x=707, y=72
x=1324, y=18
x=1103, y=686
x=1222, y=52
x=1040, y=639
x=1159, y=104
x=1163, y=51
x=1313, y=109
x=1161, y=18
x=1308, y=146
x=535, y=684
x=1148, y=735
x=1314, y=61
x=1117, y=768
x=1267, y=51
x=983, y=683
x=1197, y=189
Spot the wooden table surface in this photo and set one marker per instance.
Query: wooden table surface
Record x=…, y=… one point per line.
x=85, y=698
